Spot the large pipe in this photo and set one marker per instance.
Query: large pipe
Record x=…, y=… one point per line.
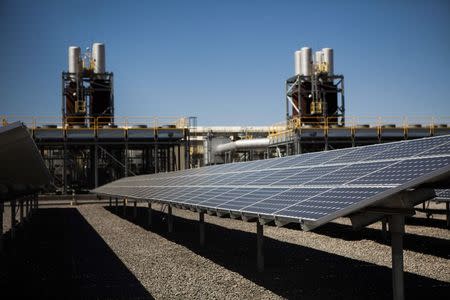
x=243, y=145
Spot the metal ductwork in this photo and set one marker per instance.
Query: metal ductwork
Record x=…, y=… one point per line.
x=249, y=144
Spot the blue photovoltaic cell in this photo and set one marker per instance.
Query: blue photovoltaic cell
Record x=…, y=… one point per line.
x=277, y=175
x=315, y=187
x=244, y=179
x=327, y=156
x=348, y=173
x=409, y=148
x=404, y=171
x=229, y=177
x=362, y=153
x=261, y=165
x=195, y=180
x=285, y=161
x=247, y=165
x=227, y=196
x=205, y=195
x=306, y=175
x=318, y=159
x=283, y=200
x=328, y=202
x=440, y=150
x=188, y=192
x=248, y=199
x=212, y=179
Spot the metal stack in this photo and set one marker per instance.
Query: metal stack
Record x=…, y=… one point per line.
x=315, y=92
x=87, y=88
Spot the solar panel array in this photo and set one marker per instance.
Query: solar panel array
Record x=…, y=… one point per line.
x=443, y=194
x=313, y=187
x=22, y=168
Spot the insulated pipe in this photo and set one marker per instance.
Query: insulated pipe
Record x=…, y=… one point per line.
x=242, y=145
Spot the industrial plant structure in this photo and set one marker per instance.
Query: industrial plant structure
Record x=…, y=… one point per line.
x=91, y=149
x=88, y=93
x=89, y=145
x=316, y=120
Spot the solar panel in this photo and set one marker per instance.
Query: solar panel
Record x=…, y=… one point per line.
x=22, y=169
x=313, y=187
x=443, y=194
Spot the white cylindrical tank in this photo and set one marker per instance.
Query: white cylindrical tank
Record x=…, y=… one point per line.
x=319, y=57
x=328, y=59
x=298, y=62
x=74, y=60
x=98, y=58
x=306, y=61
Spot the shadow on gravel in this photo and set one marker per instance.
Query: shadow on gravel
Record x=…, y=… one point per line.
x=292, y=271
x=430, y=221
x=436, y=223
x=417, y=243
x=59, y=255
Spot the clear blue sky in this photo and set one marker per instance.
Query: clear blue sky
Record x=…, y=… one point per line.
x=226, y=61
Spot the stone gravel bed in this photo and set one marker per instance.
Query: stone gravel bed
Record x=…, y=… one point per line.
x=331, y=262
x=171, y=269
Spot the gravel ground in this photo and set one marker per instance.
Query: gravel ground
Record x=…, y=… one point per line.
x=95, y=253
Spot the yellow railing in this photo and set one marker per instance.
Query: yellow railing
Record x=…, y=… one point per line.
x=380, y=124
x=98, y=122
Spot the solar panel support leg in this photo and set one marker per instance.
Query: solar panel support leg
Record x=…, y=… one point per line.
x=96, y=165
x=30, y=213
x=124, y=207
x=117, y=206
x=447, y=209
x=110, y=202
x=126, y=160
x=21, y=211
x=259, y=246
x=201, y=218
x=384, y=229
x=149, y=217
x=1, y=226
x=397, y=230
x=169, y=219
x=27, y=208
x=13, y=218
x=135, y=210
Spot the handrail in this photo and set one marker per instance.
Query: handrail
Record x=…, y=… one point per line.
x=84, y=122
x=353, y=123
